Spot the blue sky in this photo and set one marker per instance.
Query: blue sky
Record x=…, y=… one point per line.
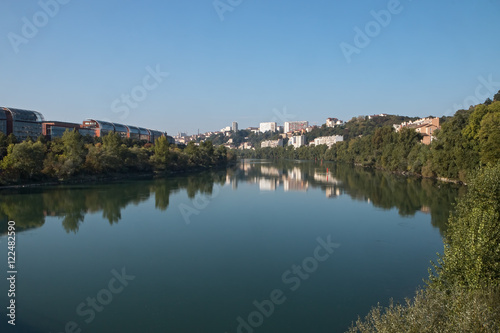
x=266, y=60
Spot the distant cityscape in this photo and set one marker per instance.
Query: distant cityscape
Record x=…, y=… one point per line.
x=293, y=133
x=27, y=123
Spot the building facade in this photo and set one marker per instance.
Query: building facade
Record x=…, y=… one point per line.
x=272, y=143
x=234, y=126
x=332, y=122
x=424, y=126
x=268, y=126
x=27, y=123
x=297, y=141
x=328, y=140
x=56, y=129
x=21, y=123
x=293, y=126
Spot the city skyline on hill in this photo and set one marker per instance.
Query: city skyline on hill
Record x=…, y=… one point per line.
x=183, y=67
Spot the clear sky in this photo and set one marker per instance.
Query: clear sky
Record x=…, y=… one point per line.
x=246, y=60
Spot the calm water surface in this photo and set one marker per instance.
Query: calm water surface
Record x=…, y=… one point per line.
x=262, y=247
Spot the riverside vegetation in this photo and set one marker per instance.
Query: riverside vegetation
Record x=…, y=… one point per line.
x=467, y=140
x=463, y=291
x=77, y=157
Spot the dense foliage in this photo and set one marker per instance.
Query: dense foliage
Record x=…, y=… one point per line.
x=467, y=140
x=76, y=156
x=463, y=294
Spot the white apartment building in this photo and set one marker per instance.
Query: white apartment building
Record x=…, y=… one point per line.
x=269, y=126
x=297, y=141
x=328, y=140
x=272, y=143
x=332, y=122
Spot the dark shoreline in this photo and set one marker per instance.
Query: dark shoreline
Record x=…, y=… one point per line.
x=412, y=174
x=114, y=177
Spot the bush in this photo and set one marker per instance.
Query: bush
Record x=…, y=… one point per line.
x=431, y=310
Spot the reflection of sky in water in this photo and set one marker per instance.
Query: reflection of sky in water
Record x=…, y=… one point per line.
x=201, y=276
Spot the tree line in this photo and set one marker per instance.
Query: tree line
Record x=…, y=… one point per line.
x=75, y=155
x=466, y=140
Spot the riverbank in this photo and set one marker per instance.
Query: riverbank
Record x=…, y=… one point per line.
x=77, y=159
x=413, y=174
x=114, y=177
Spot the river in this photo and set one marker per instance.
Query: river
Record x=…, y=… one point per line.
x=261, y=247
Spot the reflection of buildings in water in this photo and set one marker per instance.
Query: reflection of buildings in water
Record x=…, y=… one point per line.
x=425, y=209
x=52, y=213
x=295, y=185
x=295, y=174
x=267, y=184
x=270, y=171
x=325, y=178
x=246, y=167
x=231, y=180
x=332, y=192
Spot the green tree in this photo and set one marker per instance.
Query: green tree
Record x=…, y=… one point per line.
x=25, y=159
x=3, y=145
x=489, y=138
x=161, y=156
x=471, y=256
x=496, y=98
x=11, y=139
x=74, y=153
x=113, y=152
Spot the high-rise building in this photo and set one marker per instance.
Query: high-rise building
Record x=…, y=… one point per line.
x=292, y=126
x=235, y=126
x=269, y=126
x=297, y=141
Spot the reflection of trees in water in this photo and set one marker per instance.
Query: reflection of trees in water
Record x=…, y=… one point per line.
x=384, y=190
x=407, y=194
x=28, y=207
x=72, y=203
x=27, y=210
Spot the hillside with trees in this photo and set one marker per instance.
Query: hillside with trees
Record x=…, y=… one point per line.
x=466, y=140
